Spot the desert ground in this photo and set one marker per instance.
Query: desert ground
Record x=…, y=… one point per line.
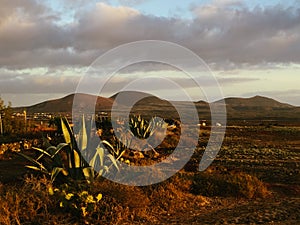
x=254, y=180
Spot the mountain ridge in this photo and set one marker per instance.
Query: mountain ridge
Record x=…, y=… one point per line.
x=237, y=107
x=256, y=101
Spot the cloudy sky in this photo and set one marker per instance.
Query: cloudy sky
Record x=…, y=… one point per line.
x=46, y=46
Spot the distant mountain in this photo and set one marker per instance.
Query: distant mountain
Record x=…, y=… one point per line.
x=65, y=104
x=259, y=107
x=256, y=102
x=146, y=104
x=254, y=108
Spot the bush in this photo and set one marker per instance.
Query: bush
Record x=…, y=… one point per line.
x=38, y=201
x=228, y=184
x=29, y=203
x=173, y=195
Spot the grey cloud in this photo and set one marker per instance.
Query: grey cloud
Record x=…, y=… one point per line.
x=242, y=35
x=232, y=80
x=164, y=82
x=53, y=82
x=48, y=58
x=36, y=84
x=128, y=2
x=27, y=26
x=225, y=35
x=27, y=8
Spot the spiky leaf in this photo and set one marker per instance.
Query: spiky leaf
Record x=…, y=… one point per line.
x=66, y=130
x=88, y=173
x=59, y=148
x=77, y=159
x=38, y=164
x=113, y=160
x=42, y=151
x=55, y=171
x=83, y=135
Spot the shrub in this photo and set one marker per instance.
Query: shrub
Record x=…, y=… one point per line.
x=228, y=183
x=29, y=203
x=37, y=201
x=174, y=195
x=80, y=203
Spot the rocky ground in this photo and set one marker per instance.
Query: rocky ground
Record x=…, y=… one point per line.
x=270, y=153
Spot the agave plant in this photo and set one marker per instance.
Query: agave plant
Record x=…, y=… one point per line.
x=99, y=158
x=143, y=128
x=50, y=161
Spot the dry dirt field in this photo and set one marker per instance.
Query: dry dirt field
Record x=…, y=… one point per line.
x=270, y=153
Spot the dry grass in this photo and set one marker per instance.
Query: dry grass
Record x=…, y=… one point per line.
x=31, y=203
x=220, y=182
x=28, y=203
x=174, y=196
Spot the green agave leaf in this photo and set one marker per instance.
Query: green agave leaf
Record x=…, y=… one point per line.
x=138, y=132
x=109, y=145
x=51, y=150
x=113, y=160
x=77, y=159
x=59, y=148
x=66, y=132
x=39, y=157
x=146, y=133
x=88, y=173
x=83, y=135
x=38, y=164
x=93, y=161
x=42, y=151
x=34, y=168
x=104, y=169
x=122, y=153
x=70, y=158
x=100, y=153
x=100, y=173
x=55, y=171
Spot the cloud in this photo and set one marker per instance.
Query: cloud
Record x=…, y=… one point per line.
x=235, y=80
x=225, y=33
x=127, y=2
x=104, y=27
x=243, y=35
x=28, y=28
x=36, y=84
x=44, y=80
x=39, y=80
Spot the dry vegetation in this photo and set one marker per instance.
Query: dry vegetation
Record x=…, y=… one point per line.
x=32, y=203
x=255, y=179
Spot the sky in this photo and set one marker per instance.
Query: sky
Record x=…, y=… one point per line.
x=46, y=46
